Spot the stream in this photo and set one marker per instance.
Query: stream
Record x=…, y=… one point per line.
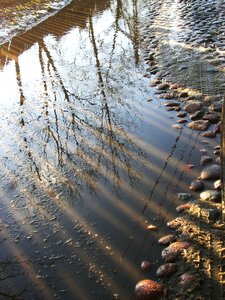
x=87, y=160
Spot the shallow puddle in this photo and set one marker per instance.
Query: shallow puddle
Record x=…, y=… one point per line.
x=87, y=162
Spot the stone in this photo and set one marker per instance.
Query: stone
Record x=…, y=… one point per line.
x=163, y=86
x=217, y=128
x=211, y=172
x=174, y=86
x=217, y=184
x=166, y=270
x=197, y=115
x=146, y=266
x=171, y=252
x=210, y=195
x=208, y=134
x=199, y=125
x=192, y=106
x=154, y=82
x=216, y=106
x=196, y=185
x=184, y=196
x=176, y=126
x=181, y=121
x=167, y=239
x=172, y=103
x=149, y=290
x=212, y=118
x=183, y=94
x=205, y=160
x=181, y=114
x=167, y=96
x=152, y=227
x=183, y=207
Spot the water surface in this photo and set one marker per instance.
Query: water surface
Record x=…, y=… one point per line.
x=86, y=161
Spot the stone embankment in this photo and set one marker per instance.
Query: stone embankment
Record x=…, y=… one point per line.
x=184, y=46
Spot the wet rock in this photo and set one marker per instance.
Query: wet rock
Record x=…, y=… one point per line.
x=174, y=86
x=174, y=224
x=184, y=196
x=217, y=184
x=149, y=290
x=183, y=207
x=163, y=86
x=212, y=118
x=208, y=134
x=197, y=115
x=172, y=103
x=211, y=172
x=210, y=195
x=171, y=252
x=152, y=227
x=166, y=270
x=167, y=96
x=192, y=106
x=146, y=266
x=205, y=160
x=196, y=185
x=167, y=239
x=213, y=98
x=203, y=151
x=217, y=147
x=181, y=114
x=181, y=121
x=216, y=106
x=216, y=152
x=217, y=128
x=199, y=125
x=183, y=94
x=176, y=126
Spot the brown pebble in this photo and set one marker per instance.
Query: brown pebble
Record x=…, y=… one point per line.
x=208, y=134
x=152, y=227
x=176, y=126
x=183, y=207
x=145, y=266
x=149, y=290
x=181, y=121
x=167, y=239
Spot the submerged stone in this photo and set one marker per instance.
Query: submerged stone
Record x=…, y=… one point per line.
x=149, y=290
x=200, y=125
x=145, y=266
x=208, y=134
x=184, y=196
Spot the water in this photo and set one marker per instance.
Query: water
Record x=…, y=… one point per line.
x=86, y=161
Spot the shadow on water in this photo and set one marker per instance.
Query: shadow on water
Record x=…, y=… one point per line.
x=87, y=163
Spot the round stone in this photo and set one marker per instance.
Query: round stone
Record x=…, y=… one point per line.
x=166, y=270
x=163, y=86
x=145, y=266
x=211, y=172
x=205, y=160
x=210, y=195
x=196, y=185
x=149, y=290
x=192, y=106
